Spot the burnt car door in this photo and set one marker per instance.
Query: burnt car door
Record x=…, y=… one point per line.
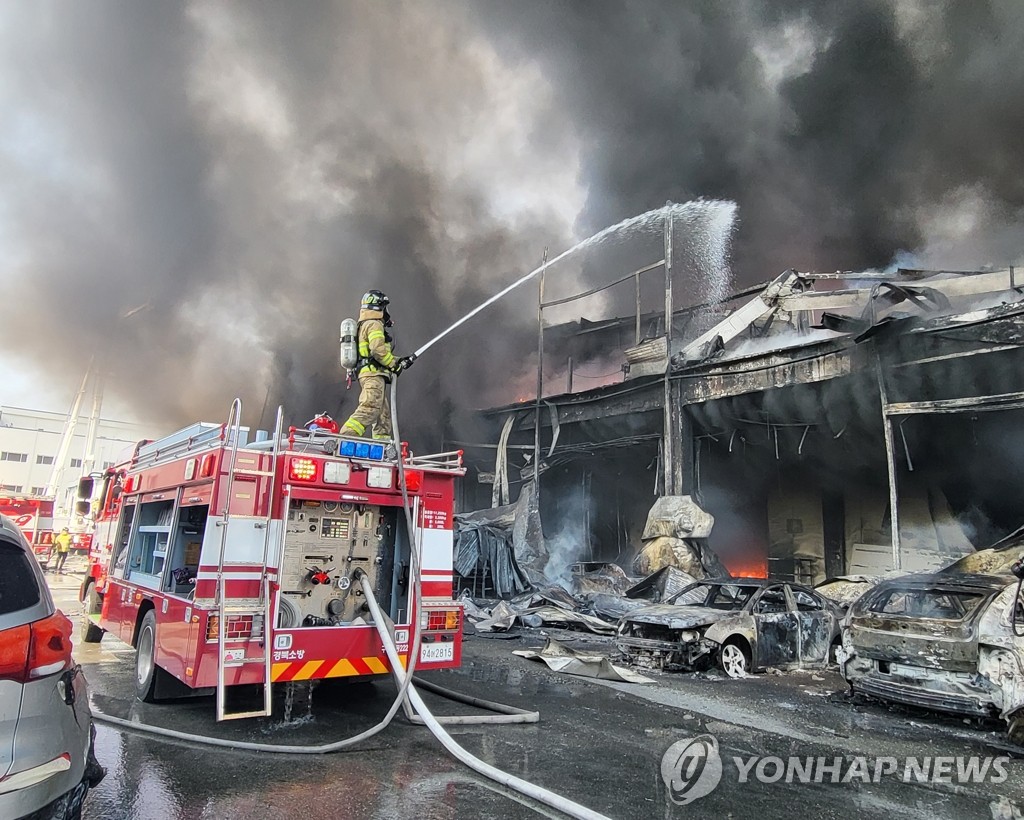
x=775, y=625
x=816, y=625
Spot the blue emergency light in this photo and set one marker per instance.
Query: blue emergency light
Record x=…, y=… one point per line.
x=363, y=450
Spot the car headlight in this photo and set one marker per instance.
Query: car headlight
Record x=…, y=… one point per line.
x=689, y=636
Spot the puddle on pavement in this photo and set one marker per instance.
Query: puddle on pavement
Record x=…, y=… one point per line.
x=147, y=779
x=286, y=726
x=515, y=680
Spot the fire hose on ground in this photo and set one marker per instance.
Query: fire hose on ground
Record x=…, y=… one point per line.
x=407, y=696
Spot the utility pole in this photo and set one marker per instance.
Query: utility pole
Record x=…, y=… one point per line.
x=669, y=431
x=890, y=460
x=540, y=376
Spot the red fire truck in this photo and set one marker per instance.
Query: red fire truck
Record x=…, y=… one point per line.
x=34, y=516
x=226, y=562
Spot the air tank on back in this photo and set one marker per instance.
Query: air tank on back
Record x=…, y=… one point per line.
x=349, y=344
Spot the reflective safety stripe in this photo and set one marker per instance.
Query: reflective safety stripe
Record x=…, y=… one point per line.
x=375, y=334
x=352, y=424
x=375, y=665
x=341, y=669
x=306, y=672
x=371, y=365
x=318, y=669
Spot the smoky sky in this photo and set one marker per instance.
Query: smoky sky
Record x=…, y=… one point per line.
x=845, y=131
x=244, y=171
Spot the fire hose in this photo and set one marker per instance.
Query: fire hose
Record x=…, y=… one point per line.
x=407, y=695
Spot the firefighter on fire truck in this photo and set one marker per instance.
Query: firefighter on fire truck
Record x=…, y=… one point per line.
x=375, y=365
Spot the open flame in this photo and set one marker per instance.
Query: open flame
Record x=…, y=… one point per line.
x=743, y=566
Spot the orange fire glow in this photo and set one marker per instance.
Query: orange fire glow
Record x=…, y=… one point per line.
x=746, y=567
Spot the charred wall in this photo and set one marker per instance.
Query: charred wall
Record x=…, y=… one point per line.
x=597, y=504
x=812, y=457
x=788, y=451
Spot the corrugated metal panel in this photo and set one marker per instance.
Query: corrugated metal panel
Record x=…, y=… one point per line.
x=485, y=559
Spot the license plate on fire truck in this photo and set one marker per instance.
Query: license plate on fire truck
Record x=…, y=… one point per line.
x=434, y=652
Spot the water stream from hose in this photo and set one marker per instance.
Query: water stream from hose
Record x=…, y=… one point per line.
x=710, y=222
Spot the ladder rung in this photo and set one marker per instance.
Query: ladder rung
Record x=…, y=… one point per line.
x=243, y=610
x=245, y=471
x=243, y=662
x=238, y=715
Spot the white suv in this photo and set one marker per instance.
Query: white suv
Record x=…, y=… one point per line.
x=47, y=763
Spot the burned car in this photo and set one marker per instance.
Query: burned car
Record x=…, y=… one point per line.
x=942, y=642
x=844, y=590
x=742, y=624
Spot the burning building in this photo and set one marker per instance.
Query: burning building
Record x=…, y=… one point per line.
x=832, y=423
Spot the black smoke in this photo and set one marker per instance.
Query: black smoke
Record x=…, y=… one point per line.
x=845, y=131
x=247, y=170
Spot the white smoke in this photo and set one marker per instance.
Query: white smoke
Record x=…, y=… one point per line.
x=571, y=540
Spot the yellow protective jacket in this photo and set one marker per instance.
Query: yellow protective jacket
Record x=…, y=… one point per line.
x=375, y=354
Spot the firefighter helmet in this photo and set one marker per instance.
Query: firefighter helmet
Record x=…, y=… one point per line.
x=375, y=300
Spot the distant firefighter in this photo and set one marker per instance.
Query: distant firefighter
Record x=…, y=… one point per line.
x=375, y=366
x=62, y=544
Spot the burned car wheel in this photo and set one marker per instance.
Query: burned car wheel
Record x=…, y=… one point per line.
x=734, y=659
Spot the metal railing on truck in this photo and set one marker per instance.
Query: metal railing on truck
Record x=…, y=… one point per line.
x=170, y=448
x=304, y=441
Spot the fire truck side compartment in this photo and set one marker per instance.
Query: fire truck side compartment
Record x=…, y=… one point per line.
x=186, y=543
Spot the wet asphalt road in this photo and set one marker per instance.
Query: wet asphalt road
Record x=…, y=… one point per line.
x=599, y=743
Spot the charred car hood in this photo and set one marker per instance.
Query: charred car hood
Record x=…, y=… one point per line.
x=680, y=617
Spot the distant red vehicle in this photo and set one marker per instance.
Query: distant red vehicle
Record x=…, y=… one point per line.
x=34, y=516
x=81, y=542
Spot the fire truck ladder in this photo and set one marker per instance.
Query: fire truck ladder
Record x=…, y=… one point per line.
x=262, y=606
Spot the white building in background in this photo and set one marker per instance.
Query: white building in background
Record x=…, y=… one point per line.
x=28, y=445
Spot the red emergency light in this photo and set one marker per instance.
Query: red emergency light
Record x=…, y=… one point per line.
x=302, y=469
x=413, y=480
x=208, y=465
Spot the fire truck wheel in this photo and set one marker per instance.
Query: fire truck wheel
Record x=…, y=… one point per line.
x=147, y=674
x=91, y=632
